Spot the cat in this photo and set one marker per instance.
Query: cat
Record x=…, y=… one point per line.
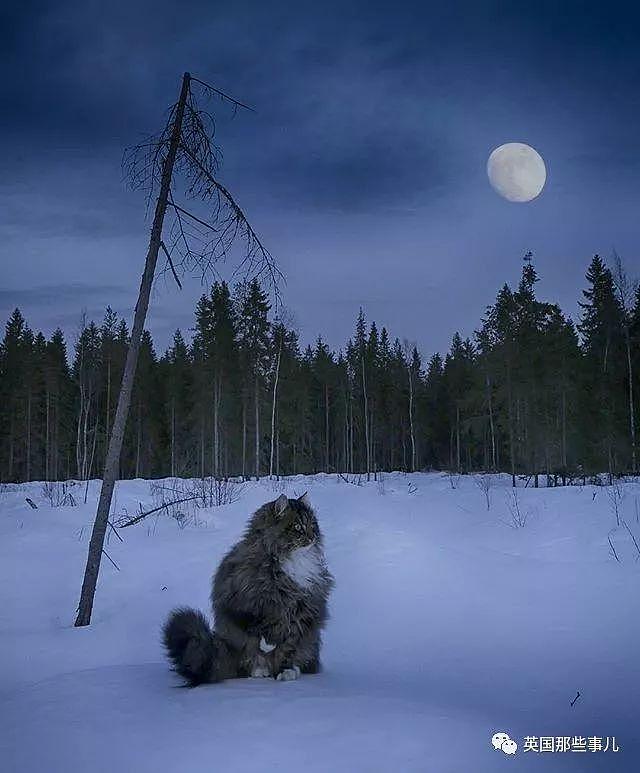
x=269, y=598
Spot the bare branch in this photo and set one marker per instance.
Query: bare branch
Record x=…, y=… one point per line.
x=110, y=559
x=258, y=261
x=202, y=243
x=173, y=269
x=221, y=94
x=192, y=216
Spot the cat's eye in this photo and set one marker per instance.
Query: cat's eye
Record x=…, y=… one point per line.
x=298, y=527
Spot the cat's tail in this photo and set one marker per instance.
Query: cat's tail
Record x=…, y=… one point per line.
x=197, y=653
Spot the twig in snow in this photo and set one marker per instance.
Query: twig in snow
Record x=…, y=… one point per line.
x=631, y=534
x=355, y=482
x=483, y=481
x=613, y=550
x=163, y=506
x=616, y=493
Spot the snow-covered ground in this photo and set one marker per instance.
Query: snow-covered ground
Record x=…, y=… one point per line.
x=448, y=625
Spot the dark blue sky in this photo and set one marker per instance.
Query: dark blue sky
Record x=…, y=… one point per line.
x=363, y=169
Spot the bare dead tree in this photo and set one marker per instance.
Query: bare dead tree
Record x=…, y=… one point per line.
x=184, y=149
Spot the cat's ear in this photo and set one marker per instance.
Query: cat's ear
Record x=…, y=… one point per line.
x=281, y=504
x=304, y=500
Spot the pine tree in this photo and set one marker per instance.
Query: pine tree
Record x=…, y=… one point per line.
x=533, y=395
x=224, y=365
x=86, y=369
x=143, y=449
x=324, y=377
x=358, y=357
x=201, y=378
x=38, y=408
x=457, y=374
x=602, y=396
x=14, y=354
x=253, y=345
x=108, y=384
x=436, y=415
x=176, y=369
x=625, y=297
x=59, y=416
x=284, y=356
x=414, y=376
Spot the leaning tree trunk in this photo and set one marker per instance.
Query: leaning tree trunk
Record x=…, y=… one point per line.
x=124, y=399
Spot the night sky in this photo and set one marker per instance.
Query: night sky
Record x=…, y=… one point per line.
x=363, y=168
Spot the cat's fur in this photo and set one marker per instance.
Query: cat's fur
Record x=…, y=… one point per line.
x=269, y=598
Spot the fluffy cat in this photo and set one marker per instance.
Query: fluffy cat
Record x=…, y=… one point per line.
x=269, y=599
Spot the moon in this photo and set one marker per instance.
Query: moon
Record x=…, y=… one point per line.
x=516, y=171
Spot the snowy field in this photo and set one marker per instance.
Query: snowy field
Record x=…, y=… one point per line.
x=449, y=622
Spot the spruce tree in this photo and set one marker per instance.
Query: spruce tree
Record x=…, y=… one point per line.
x=59, y=400
x=13, y=363
x=602, y=391
x=176, y=367
x=253, y=350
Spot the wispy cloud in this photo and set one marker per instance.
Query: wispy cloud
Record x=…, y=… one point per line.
x=56, y=295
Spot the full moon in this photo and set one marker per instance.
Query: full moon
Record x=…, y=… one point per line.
x=516, y=171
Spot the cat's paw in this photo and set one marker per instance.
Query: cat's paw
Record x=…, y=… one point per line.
x=289, y=674
x=260, y=672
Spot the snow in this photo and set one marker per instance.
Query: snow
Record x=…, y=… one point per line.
x=448, y=625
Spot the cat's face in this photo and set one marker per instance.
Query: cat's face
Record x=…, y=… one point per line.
x=296, y=521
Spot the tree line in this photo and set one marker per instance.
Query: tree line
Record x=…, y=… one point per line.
x=532, y=393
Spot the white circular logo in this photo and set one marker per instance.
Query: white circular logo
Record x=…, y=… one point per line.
x=505, y=744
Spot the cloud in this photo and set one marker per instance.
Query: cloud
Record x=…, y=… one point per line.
x=361, y=109
x=59, y=294
x=368, y=173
